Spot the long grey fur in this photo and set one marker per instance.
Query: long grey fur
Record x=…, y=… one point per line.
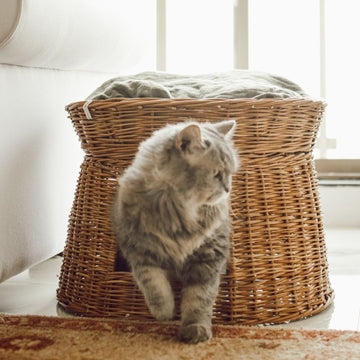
x=171, y=220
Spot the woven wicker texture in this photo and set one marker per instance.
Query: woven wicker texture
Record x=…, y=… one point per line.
x=278, y=270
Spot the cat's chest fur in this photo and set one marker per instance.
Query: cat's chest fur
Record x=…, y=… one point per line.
x=195, y=227
x=180, y=248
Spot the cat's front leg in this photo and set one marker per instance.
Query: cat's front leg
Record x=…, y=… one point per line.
x=154, y=284
x=201, y=278
x=196, y=311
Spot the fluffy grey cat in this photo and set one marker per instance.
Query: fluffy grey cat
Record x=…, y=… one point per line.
x=171, y=220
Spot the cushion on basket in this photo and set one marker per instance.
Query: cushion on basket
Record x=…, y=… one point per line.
x=234, y=84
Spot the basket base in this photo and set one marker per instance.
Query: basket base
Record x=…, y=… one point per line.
x=130, y=304
x=65, y=311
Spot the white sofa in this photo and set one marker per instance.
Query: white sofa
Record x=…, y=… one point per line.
x=52, y=53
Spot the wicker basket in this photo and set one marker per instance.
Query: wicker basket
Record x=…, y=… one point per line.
x=278, y=270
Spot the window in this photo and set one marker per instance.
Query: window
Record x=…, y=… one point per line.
x=199, y=36
x=312, y=42
x=343, y=76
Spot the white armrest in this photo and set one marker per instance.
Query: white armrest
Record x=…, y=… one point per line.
x=92, y=35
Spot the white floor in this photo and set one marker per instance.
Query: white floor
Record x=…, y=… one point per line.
x=34, y=291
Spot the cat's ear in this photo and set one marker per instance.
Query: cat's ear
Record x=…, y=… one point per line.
x=226, y=127
x=189, y=139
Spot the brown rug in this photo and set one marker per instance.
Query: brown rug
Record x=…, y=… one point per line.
x=40, y=337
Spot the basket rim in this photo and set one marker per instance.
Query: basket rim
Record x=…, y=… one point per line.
x=108, y=103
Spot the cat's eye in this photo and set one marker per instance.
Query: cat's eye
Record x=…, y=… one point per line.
x=217, y=175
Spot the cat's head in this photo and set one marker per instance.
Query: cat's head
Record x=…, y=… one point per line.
x=201, y=161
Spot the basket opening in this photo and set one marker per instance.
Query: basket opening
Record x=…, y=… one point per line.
x=121, y=263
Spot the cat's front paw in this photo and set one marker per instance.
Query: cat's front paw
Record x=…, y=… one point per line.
x=163, y=311
x=162, y=314
x=194, y=333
